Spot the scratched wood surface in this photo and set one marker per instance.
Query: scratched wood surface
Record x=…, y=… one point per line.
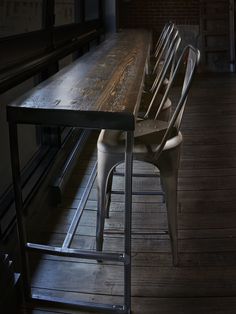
x=100, y=90
x=205, y=281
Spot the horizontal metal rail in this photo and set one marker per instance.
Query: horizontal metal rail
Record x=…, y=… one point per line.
x=138, y=175
x=78, y=214
x=59, y=182
x=83, y=254
x=139, y=193
x=92, y=306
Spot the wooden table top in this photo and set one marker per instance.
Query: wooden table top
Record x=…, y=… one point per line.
x=100, y=90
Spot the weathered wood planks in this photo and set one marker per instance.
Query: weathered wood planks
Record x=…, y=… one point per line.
x=102, y=89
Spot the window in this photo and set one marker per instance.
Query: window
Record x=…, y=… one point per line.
x=91, y=10
x=64, y=12
x=17, y=16
x=21, y=17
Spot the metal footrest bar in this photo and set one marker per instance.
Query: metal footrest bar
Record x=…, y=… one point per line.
x=121, y=232
x=138, y=175
x=60, y=251
x=59, y=182
x=77, y=216
x=140, y=193
x=91, y=306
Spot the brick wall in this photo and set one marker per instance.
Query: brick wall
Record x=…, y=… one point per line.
x=153, y=14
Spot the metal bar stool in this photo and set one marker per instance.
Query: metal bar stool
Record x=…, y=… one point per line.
x=156, y=142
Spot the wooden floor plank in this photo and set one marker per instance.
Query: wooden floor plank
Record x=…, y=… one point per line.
x=146, y=281
x=224, y=305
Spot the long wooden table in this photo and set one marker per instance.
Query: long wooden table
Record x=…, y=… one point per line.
x=101, y=90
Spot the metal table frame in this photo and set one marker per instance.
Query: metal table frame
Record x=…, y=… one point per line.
x=18, y=115
x=65, y=250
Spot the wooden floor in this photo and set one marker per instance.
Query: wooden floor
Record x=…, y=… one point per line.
x=205, y=281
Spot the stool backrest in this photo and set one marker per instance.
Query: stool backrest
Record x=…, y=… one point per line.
x=188, y=60
x=166, y=71
x=163, y=47
x=166, y=30
x=168, y=56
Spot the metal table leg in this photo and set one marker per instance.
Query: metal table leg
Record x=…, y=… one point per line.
x=19, y=208
x=128, y=217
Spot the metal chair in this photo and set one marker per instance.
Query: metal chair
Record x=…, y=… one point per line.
x=158, y=80
x=156, y=142
x=161, y=80
x=158, y=57
x=162, y=47
x=150, y=105
x=163, y=38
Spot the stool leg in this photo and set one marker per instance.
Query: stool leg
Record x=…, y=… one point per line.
x=104, y=168
x=170, y=187
x=168, y=164
x=108, y=193
x=101, y=213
